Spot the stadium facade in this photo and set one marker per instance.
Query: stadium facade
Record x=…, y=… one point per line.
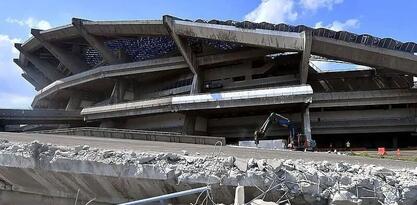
x=223, y=78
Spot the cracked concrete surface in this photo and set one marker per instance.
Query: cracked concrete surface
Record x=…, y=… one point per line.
x=114, y=176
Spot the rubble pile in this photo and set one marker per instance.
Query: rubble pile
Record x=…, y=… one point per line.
x=298, y=182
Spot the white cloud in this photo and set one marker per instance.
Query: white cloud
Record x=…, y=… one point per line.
x=8, y=100
x=13, y=88
x=314, y=5
x=339, y=26
x=30, y=22
x=8, y=52
x=273, y=11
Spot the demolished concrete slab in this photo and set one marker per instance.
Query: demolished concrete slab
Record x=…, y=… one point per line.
x=114, y=176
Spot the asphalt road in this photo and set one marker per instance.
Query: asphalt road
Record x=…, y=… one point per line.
x=192, y=149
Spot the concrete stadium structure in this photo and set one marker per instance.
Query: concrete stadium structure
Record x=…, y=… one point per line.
x=223, y=78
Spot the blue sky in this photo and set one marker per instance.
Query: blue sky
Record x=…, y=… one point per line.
x=383, y=18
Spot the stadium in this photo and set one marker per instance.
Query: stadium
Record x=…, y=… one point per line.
x=221, y=78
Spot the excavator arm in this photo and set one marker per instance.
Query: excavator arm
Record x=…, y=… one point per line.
x=296, y=140
x=273, y=118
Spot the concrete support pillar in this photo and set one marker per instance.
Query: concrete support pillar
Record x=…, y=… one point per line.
x=74, y=102
x=194, y=125
x=34, y=74
x=305, y=123
x=137, y=89
x=187, y=53
x=107, y=123
x=71, y=62
x=305, y=58
x=108, y=56
x=189, y=124
x=197, y=83
x=395, y=142
x=47, y=69
x=118, y=92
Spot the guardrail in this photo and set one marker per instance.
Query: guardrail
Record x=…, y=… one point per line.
x=136, y=134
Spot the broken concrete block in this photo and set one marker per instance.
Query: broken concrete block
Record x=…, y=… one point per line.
x=262, y=202
x=241, y=164
x=345, y=198
x=275, y=164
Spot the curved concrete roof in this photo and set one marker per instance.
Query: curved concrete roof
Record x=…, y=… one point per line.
x=360, y=49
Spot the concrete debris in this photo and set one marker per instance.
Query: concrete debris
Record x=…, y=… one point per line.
x=300, y=182
x=262, y=202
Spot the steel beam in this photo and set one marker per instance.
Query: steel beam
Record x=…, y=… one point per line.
x=71, y=62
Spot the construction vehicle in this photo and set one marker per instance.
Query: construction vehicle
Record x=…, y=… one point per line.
x=296, y=141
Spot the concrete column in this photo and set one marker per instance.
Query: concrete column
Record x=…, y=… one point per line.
x=47, y=69
x=189, y=124
x=197, y=83
x=94, y=42
x=107, y=123
x=74, y=102
x=200, y=127
x=305, y=59
x=118, y=92
x=395, y=142
x=71, y=62
x=194, y=125
x=305, y=123
x=137, y=89
x=187, y=53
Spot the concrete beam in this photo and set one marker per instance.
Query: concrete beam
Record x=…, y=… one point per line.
x=187, y=53
x=305, y=58
x=254, y=37
x=142, y=67
x=44, y=66
x=41, y=80
x=38, y=116
x=233, y=56
x=31, y=81
x=71, y=62
x=110, y=71
x=222, y=100
x=323, y=122
x=364, y=55
x=94, y=42
x=118, y=92
x=182, y=45
x=362, y=98
x=74, y=102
